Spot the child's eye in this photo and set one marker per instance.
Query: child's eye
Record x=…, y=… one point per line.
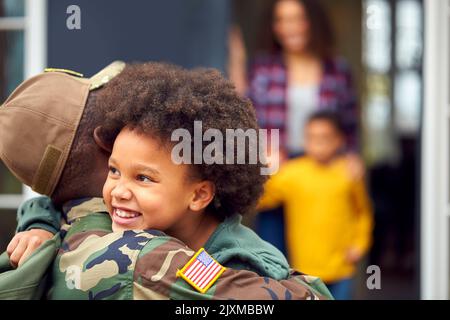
x=143, y=178
x=113, y=171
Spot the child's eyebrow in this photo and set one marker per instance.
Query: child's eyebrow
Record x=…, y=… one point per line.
x=111, y=159
x=144, y=168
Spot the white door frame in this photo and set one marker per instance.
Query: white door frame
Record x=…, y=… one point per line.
x=434, y=246
x=34, y=25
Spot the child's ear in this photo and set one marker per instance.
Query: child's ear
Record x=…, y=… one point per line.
x=100, y=141
x=203, y=194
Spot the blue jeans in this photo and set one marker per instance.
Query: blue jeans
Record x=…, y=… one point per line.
x=341, y=290
x=270, y=227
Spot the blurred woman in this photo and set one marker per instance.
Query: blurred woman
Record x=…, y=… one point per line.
x=298, y=73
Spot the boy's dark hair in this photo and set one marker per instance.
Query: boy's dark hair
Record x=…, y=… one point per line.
x=330, y=116
x=160, y=98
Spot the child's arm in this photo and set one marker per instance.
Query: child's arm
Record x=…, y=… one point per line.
x=38, y=221
x=364, y=223
x=274, y=190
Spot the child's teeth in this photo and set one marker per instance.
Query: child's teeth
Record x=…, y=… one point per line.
x=124, y=214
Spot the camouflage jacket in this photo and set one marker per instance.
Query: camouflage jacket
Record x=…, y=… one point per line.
x=95, y=263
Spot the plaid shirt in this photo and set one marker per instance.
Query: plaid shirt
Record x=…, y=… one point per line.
x=268, y=88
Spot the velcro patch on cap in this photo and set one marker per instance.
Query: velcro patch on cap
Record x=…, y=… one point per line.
x=46, y=168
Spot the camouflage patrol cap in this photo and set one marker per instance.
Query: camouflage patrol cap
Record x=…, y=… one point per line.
x=39, y=120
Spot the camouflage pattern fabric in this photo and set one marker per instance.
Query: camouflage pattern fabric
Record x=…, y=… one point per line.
x=96, y=263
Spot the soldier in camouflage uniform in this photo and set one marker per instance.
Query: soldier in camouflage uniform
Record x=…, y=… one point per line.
x=93, y=262
x=96, y=263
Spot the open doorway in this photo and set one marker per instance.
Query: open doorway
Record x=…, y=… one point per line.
x=383, y=42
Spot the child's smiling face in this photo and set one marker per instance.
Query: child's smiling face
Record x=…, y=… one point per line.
x=144, y=188
x=322, y=140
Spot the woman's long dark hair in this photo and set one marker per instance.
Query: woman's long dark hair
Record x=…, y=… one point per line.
x=321, y=41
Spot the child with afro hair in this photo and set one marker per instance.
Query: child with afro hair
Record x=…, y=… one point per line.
x=199, y=203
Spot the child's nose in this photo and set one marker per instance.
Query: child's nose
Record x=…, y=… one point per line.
x=121, y=191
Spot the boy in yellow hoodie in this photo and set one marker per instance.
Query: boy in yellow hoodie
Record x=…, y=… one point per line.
x=328, y=212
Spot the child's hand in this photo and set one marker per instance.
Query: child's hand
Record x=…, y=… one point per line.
x=355, y=165
x=353, y=255
x=25, y=243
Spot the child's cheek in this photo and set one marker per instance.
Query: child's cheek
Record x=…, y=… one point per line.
x=107, y=196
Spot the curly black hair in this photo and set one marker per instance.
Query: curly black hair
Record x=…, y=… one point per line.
x=158, y=98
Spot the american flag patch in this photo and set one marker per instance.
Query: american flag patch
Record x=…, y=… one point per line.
x=201, y=271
